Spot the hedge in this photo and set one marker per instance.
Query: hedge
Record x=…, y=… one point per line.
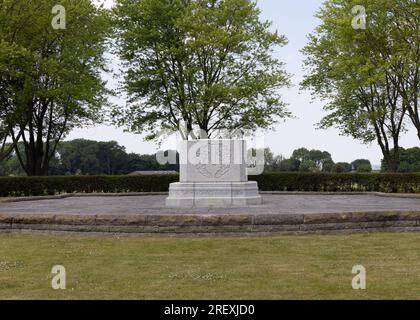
x=35, y=186
x=340, y=182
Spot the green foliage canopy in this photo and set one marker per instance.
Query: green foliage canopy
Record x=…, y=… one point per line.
x=198, y=64
x=53, y=82
x=367, y=76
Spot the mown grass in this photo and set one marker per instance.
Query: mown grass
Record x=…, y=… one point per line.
x=285, y=267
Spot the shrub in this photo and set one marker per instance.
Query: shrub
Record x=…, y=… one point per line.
x=321, y=182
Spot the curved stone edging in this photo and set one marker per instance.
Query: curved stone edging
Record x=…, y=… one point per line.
x=379, y=194
x=213, y=224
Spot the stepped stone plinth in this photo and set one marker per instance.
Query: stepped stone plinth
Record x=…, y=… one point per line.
x=213, y=173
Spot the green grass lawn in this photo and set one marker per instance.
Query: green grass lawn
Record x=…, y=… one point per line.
x=284, y=267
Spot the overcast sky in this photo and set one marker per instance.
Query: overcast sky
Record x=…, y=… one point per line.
x=295, y=19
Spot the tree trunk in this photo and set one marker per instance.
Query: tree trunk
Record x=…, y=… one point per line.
x=392, y=159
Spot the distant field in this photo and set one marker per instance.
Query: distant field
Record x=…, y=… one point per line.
x=286, y=267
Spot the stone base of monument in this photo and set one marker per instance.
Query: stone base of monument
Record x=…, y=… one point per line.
x=217, y=194
x=213, y=173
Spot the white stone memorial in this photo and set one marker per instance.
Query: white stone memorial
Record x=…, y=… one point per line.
x=213, y=173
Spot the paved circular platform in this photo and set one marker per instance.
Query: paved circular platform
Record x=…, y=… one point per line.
x=279, y=213
x=272, y=204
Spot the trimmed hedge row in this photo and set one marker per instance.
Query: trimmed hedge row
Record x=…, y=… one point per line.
x=36, y=186
x=340, y=182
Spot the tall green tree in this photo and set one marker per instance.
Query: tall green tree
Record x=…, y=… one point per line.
x=198, y=64
x=363, y=165
x=87, y=157
x=341, y=167
x=82, y=156
x=361, y=72
x=313, y=159
x=320, y=158
x=403, y=54
x=409, y=161
x=11, y=87
x=58, y=87
x=308, y=166
x=301, y=154
x=287, y=165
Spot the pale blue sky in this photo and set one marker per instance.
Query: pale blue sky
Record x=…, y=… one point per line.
x=295, y=19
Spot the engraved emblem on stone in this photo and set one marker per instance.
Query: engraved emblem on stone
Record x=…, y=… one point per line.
x=214, y=167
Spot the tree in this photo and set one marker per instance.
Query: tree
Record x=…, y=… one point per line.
x=288, y=165
x=77, y=156
x=11, y=83
x=318, y=157
x=113, y=157
x=198, y=64
x=365, y=164
x=410, y=161
x=88, y=157
x=412, y=158
x=10, y=165
x=269, y=157
x=59, y=85
x=341, y=167
x=328, y=166
x=308, y=166
x=364, y=168
x=360, y=72
x=301, y=154
x=403, y=54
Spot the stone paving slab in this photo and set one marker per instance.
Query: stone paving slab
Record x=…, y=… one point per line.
x=282, y=204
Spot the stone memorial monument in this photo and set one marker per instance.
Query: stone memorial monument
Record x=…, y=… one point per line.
x=213, y=173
